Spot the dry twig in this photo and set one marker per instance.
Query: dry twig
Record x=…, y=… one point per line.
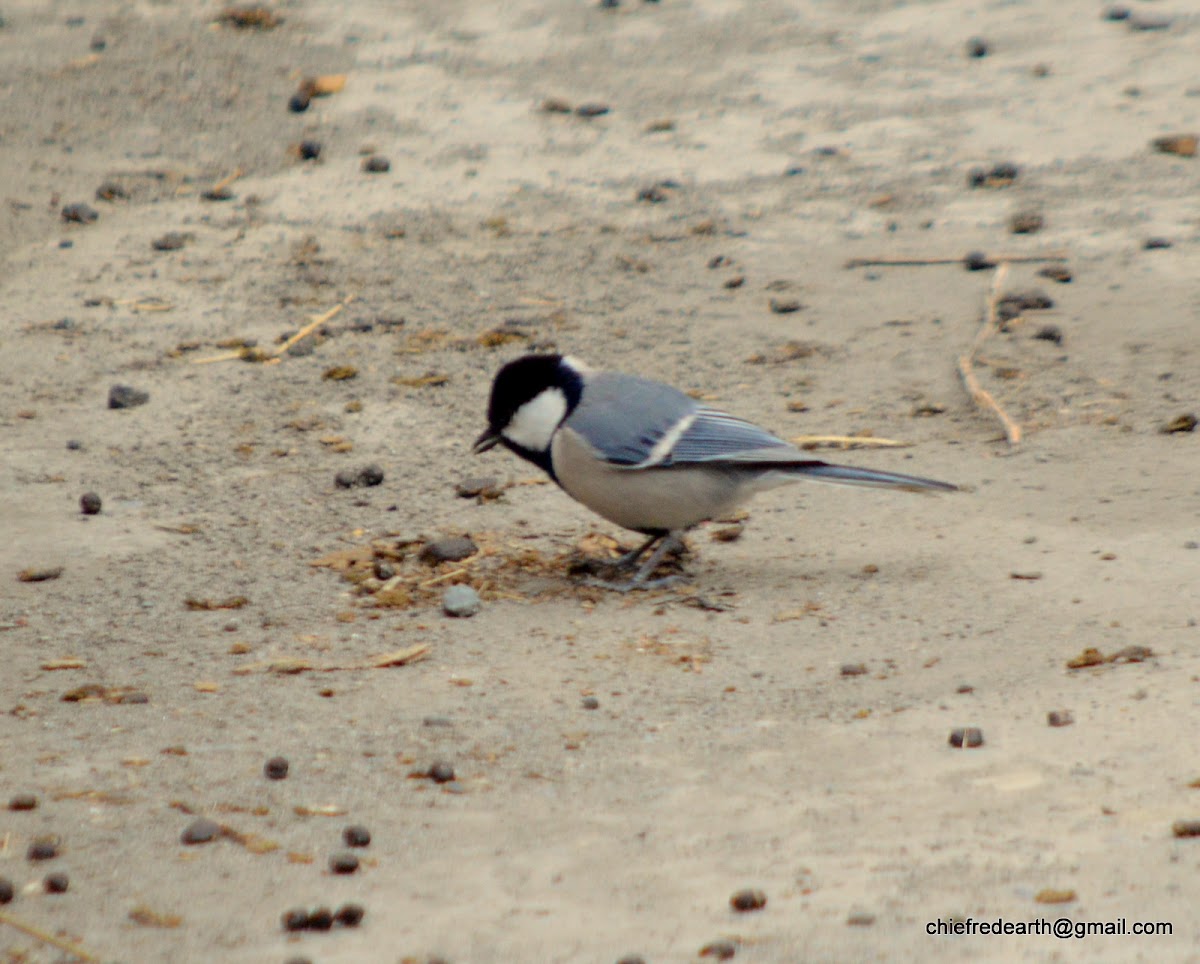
x=46, y=937
x=847, y=441
x=966, y=370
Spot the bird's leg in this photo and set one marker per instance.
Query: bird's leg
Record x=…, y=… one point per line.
x=630, y=558
x=669, y=543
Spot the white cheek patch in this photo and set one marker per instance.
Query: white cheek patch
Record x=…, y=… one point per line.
x=534, y=423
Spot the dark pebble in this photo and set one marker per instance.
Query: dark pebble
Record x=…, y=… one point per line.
x=854, y=669
x=74, y=445
x=860, y=919
x=89, y=503
x=1180, y=424
x=795, y=170
x=350, y=915
x=383, y=570
x=201, y=830
x=320, y=919
x=44, y=849
x=609, y=4
x=437, y=721
x=6, y=890
x=1050, y=333
x=97, y=43
x=441, y=772
x=376, y=164
x=295, y=919
x=451, y=549
x=977, y=261
x=964, y=688
x=1026, y=222
x=747, y=900
x=80, y=213
x=977, y=47
x=171, y=241
x=217, y=194
x=475, y=486
x=299, y=101
x=719, y=950
x=23, y=801
x=632, y=959
x=343, y=863
x=276, y=768
x=56, y=883
x=123, y=396
x=1186, y=828
x=1149, y=21
x=652, y=195
x=784, y=306
x=356, y=835
x=1056, y=272
x=590, y=703
x=346, y=479
x=1157, y=244
x=591, y=110
x=370, y=475
x=999, y=175
x=309, y=150
x=298, y=959
x=1116, y=13
x=111, y=191
x=966, y=738
x=1060, y=718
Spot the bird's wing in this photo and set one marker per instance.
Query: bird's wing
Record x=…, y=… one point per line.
x=629, y=421
x=716, y=436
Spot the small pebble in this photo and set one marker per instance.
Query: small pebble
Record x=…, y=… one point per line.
x=56, y=883
x=784, y=306
x=346, y=479
x=383, y=570
x=748, y=900
x=1149, y=21
x=309, y=150
x=964, y=689
x=171, y=241
x=450, y=549
x=217, y=194
x=1026, y=222
x=370, y=475
x=460, y=602
x=299, y=101
x=591, y=110
x=320, y=919
x=1060, y=718
x=977, y=47
x=977, y=261
x=441, y=772
x=6, y=890
x=375, y=164
x=343, y=863
x=199, y=831
x=854, y=669
x=80, y=213
x=74, y=445
x=609, y=4
x=125, y=396
x=350, y=915
x=1186, y=828
x=719, y=950
x=1056, y=272
x=1157, y=244
x=356, y=835
x=1181, y=424
x=89, y=503
x=298, y=959
x=652, y=194
x=44, y=849
x=111, y=191
x=860, y=919
x=295, y=919
x=23, y=801
x=590, y=703
x=474, y=486
x=1116, y=13
x=966, y=738
x=632, y=959
x=276, y=768
x=1050, y=333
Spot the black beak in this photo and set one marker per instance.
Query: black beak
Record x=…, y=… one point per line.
x=489, y=439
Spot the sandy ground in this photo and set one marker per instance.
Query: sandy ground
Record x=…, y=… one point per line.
x=727, y=749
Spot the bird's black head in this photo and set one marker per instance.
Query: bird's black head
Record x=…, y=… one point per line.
x=530, y=397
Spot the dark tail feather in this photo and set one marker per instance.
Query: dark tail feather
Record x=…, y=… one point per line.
x=849, y=475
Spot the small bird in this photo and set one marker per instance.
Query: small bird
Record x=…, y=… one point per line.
x=645, y=455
